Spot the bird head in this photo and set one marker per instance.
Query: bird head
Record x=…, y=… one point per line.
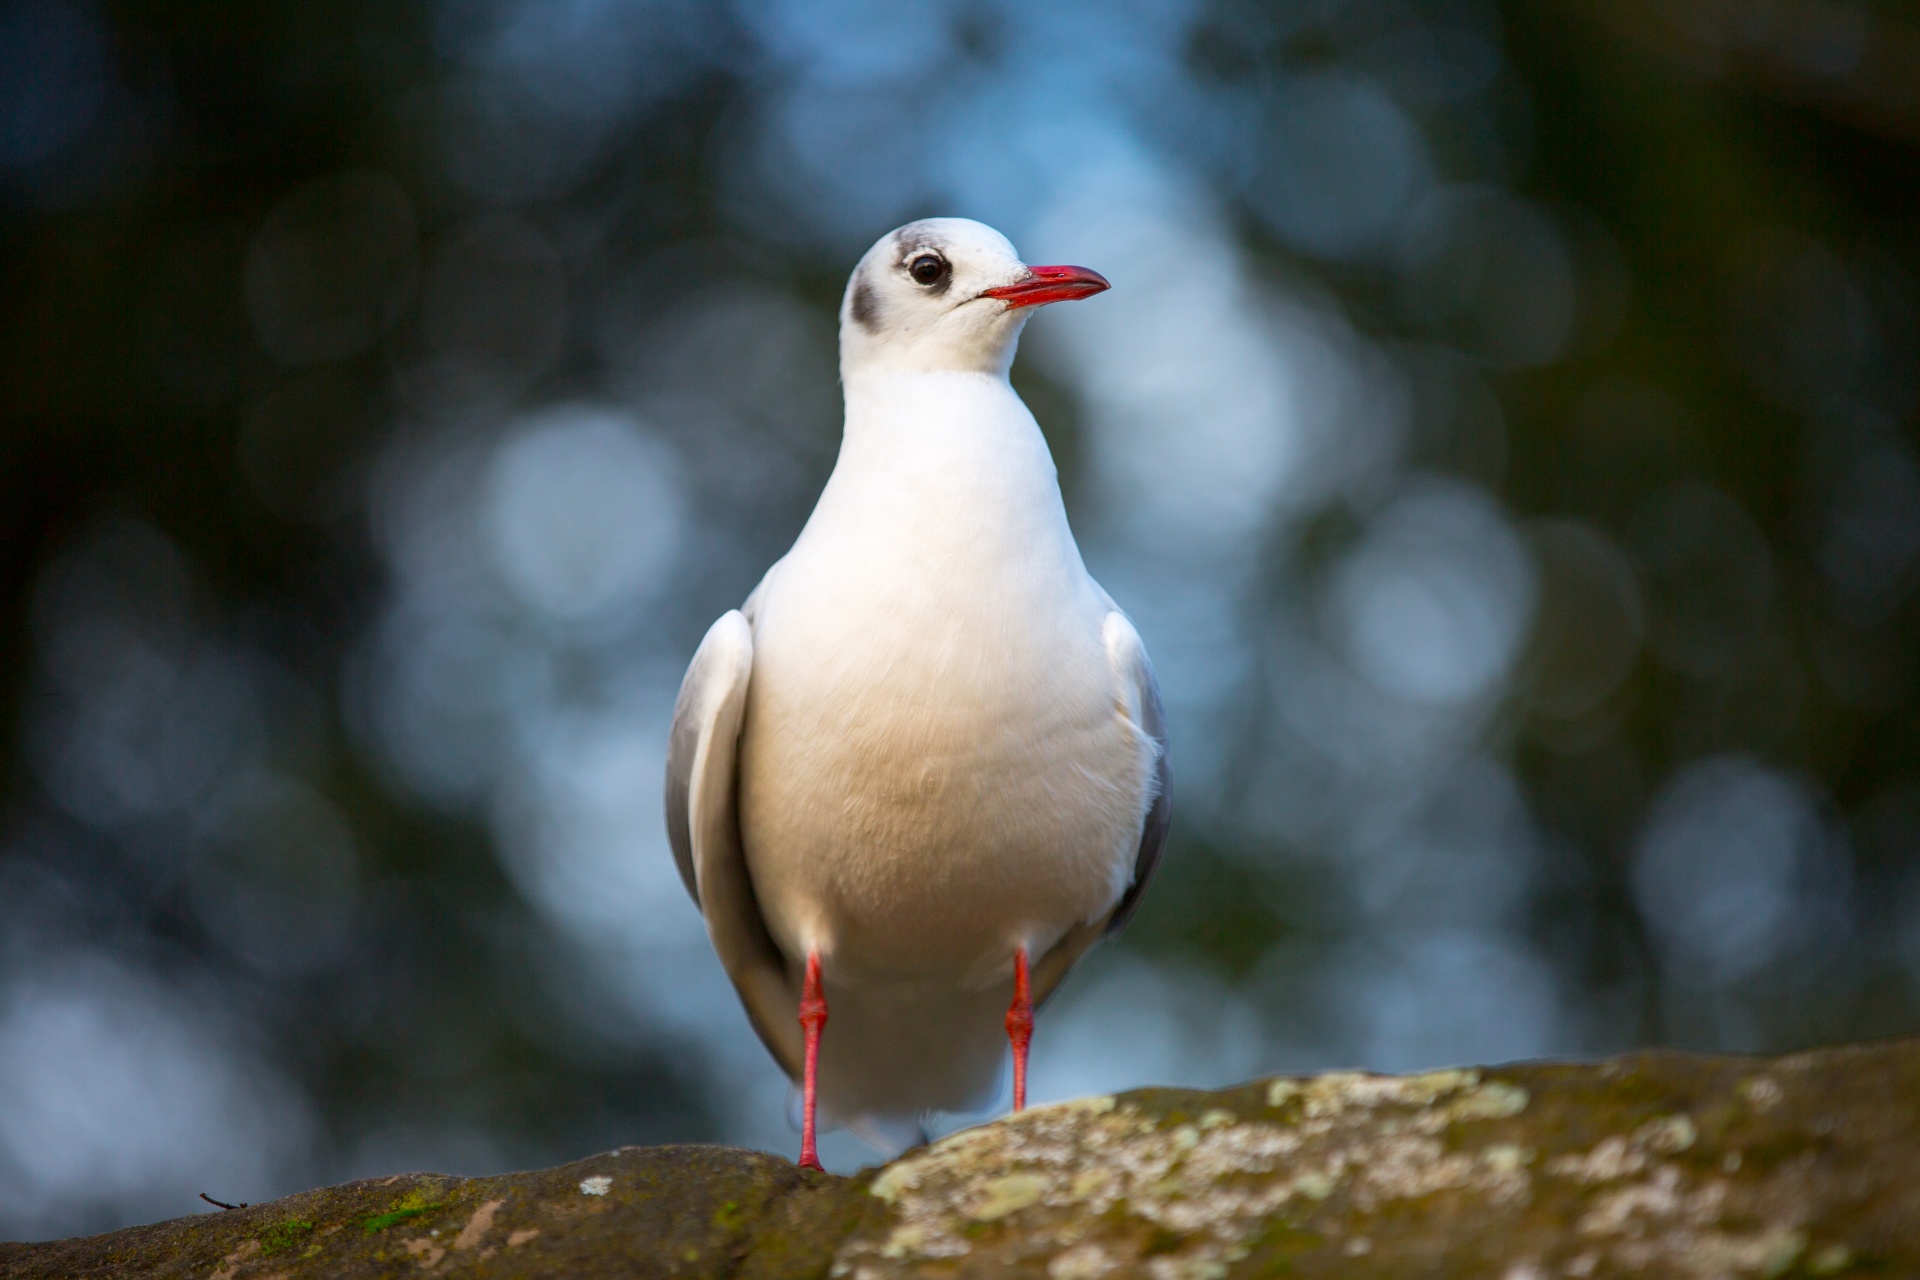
x=946, y=294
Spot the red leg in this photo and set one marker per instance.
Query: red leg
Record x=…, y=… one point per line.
x=813, y=1016
x=1020, y=1027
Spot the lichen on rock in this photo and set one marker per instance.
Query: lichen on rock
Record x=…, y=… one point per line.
x=1104, y=1185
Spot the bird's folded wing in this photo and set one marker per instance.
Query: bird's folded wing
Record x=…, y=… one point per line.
x=703, y=825
x=1130, y=662
x=1140, y=704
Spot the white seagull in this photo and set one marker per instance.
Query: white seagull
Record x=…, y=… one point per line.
x=929, y=748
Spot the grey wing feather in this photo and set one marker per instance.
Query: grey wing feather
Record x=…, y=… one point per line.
x=703, y=826
x=1153, y=832
x=1129, y=658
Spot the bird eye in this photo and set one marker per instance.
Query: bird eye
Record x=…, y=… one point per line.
x=928, y=268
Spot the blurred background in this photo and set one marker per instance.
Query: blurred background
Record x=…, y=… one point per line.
x=1502, y=429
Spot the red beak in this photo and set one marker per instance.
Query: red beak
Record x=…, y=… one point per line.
x=1049, y=284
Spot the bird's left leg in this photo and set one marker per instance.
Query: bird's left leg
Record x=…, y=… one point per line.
x=1020, y=1027
x=813, y=1016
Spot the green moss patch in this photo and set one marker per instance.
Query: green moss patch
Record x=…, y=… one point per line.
x=381, y=1221
x=284, y=1235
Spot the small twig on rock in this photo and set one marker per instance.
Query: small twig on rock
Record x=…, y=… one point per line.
x=221, y=1203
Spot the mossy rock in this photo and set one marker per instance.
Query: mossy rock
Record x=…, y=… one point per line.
x=1654, y=1165
x=659, y=1211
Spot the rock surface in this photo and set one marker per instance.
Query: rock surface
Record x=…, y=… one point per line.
x=1654, y=1165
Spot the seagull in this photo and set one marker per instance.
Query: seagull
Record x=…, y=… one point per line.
x=924, y=767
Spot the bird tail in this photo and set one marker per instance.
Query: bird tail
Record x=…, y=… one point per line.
x=890, y=1136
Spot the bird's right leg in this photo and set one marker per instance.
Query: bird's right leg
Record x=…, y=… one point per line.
x=813, y=1016
x=1020, y=1027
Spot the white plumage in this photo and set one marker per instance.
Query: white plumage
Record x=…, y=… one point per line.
x=929, y=739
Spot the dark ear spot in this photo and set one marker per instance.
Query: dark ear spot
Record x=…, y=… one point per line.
x=866, y=307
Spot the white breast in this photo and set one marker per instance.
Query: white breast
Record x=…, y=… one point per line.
x=934, y=765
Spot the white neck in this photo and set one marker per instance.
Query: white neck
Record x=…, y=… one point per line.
x=950, y=460
x=981, y=339
x=921, y=423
